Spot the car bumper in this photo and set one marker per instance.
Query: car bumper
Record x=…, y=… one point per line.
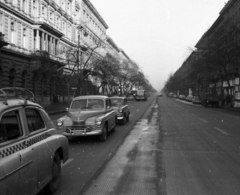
x=88, y=131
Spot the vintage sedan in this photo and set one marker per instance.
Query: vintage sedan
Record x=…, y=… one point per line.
x=91, y=115
x=120, y=106
x=31, y=150
x=196, y=100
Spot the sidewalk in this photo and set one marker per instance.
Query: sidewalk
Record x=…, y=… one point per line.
x=55, y=108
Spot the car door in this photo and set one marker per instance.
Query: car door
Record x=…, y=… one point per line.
x=111, y=114
x=38, y=134
x=17, y=159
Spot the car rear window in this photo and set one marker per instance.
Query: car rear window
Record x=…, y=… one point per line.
x=10, y=126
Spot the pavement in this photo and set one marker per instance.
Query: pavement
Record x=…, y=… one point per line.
x=55, y=108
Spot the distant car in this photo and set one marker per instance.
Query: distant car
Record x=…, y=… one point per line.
x=121, y=107
x=189, y=98
x=31, y=151
x=196, y=100
x=91, y=115
x=182, y=97
x=236, y=100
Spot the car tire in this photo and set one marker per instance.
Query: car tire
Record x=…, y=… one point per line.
x=103, y=136
x=53, y=185
x=128, y=116
x=114, y=127
x=124, y=120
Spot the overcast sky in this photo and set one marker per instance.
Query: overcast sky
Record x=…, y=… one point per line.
x=157, y=34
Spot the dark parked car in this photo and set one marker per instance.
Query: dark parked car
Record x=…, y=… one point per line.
x=121, y=107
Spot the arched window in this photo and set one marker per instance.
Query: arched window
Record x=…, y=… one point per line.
x=12, y=77
x=24, y=73
x=0, y=76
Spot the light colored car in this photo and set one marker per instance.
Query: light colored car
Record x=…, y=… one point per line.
x=189, y=98
x=182, y=97
x=91, y=115
x=196, y=100
x=236, y=100
x=121, y=107
x=30, y=148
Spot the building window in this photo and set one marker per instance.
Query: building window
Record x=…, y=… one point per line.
x=13, y=27
x=24, y=73
x=24, y=38
x=24, y=6
x=12, y=77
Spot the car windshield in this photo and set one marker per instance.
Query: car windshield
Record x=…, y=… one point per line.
x=117, y=102
x=87, y=104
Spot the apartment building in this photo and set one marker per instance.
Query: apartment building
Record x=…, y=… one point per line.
x=39, y=34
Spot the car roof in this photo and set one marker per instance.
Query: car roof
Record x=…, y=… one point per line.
x=117, y=97
x=90, y=97
x=8, y=100
x=10, y=103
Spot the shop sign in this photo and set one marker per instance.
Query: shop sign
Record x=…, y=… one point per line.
x=225, y=83
x=236, y=81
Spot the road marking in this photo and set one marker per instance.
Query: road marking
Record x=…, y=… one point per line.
x=193, y=114
x=223, y=132
x=203, y=120
x=68, y=161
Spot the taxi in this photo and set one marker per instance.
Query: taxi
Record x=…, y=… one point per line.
x=31, y=151
x=90, y=115
x=121, y=107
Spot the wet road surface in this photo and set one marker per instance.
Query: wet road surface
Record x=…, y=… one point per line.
x=176, y=148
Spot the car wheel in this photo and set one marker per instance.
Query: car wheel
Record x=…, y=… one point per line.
x=127, y=119
x=114, y=127
x=103, y=136
x=53, y=185
x=124, y=120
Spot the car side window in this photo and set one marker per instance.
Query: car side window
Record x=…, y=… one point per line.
x=108, y=103
x=34, y=120
x=10, y=126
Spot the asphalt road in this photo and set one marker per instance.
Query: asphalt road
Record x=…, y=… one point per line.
x=199, y=149
x=175, y=148
x=88, y=155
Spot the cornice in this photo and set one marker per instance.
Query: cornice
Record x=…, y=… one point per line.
x=99, y=17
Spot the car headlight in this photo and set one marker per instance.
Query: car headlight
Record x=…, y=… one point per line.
x=59, y=122
x=90, y=121
x=98, y=121
x=120, y=110
x=94, y=121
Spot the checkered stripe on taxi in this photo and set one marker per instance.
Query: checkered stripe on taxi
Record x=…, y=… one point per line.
x=7, y=151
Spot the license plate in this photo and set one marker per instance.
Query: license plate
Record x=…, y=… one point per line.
x=78, y=132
